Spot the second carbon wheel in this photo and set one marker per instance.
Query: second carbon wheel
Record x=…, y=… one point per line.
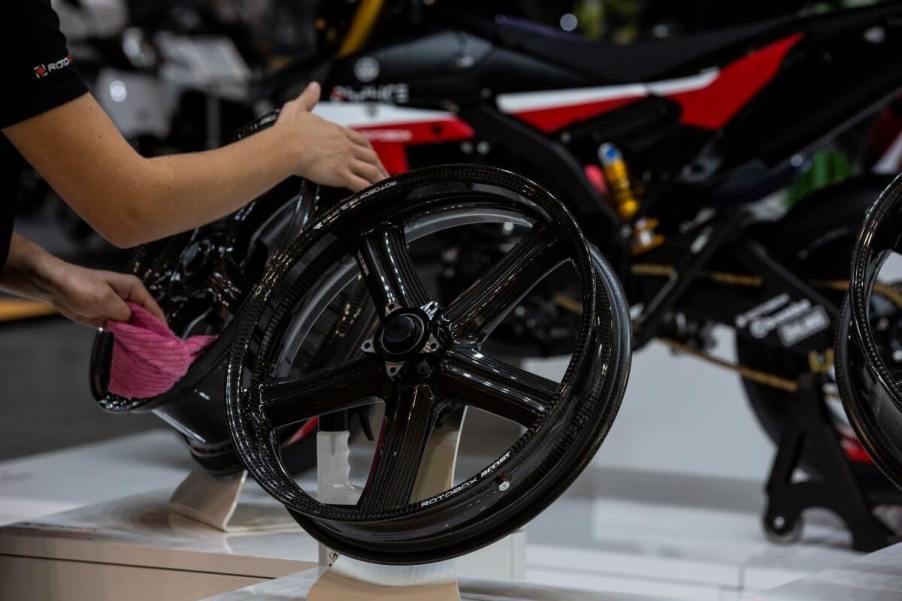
x=869, y=336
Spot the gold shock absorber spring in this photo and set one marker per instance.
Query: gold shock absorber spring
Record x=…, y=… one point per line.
x=618, y=179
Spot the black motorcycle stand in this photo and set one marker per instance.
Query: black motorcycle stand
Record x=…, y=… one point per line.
x=811, y=434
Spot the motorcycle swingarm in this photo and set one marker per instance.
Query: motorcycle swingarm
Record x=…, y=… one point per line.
x=778, y=308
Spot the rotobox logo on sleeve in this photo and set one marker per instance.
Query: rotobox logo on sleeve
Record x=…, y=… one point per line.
x=42, y=71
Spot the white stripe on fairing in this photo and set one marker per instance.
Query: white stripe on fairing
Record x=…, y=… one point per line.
x=684, y=84
x=364, y=114
x=531, y=101
x=891, y=160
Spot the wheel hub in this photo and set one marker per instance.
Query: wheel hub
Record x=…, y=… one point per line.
x=403, y=333
x=408, y=340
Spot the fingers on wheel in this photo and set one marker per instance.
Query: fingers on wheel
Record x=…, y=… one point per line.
x=355, y=183
x=371, y=173
x=368, y=155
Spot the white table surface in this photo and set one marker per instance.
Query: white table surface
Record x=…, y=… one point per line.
x=296, y=586
x=669, y=548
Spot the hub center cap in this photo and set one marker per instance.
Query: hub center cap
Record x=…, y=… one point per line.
x=403, y=334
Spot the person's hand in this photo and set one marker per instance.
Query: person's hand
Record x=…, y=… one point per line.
x=326, y=152
x=93, y=297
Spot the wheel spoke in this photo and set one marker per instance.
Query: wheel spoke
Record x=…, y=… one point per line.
x=323, y=391
x=388, y=269
x=485, y=304
x=491, y=385
x=408, y=422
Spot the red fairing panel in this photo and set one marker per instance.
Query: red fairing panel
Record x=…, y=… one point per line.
x=390, y=141
x=708, y=101
x=712, y=107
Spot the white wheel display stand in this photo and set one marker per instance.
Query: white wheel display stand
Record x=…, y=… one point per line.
x=208, y=499
x=213, y=501
x=347, y=579
x=351, y=580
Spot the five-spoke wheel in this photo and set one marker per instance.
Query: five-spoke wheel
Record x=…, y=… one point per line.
x=422, y=358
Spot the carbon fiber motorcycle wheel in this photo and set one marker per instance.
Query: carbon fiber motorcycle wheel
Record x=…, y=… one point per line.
x=869, y=339
x=200, y=278
x=817, y=239
x=424, y=360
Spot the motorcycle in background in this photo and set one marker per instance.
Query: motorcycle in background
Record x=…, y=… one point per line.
x=669, y=152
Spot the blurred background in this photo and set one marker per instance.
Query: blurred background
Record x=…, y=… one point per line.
x=183, y=75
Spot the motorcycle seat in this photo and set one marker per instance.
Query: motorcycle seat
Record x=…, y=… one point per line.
x=610, y=63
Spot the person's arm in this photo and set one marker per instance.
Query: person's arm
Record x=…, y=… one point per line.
x=131, y=200
x=84, y=295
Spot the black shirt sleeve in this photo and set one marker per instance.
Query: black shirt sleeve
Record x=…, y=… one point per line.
x=36, y=69
x=36, y=75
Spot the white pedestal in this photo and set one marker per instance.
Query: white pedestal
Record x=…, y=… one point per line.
x=347, y=579
x=135, y=548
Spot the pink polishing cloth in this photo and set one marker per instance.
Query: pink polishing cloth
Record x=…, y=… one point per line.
x=148, y=358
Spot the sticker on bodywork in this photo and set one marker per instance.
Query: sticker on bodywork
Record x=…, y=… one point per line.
x=793, y=321
x=814, y=321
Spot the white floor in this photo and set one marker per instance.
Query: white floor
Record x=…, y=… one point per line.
x=672, y=543
x=676, y=552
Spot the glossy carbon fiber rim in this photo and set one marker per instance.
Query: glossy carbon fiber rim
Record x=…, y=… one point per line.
x=870, y=393
x=565, y=423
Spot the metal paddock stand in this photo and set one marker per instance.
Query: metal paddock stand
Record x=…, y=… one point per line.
x=810, y=434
